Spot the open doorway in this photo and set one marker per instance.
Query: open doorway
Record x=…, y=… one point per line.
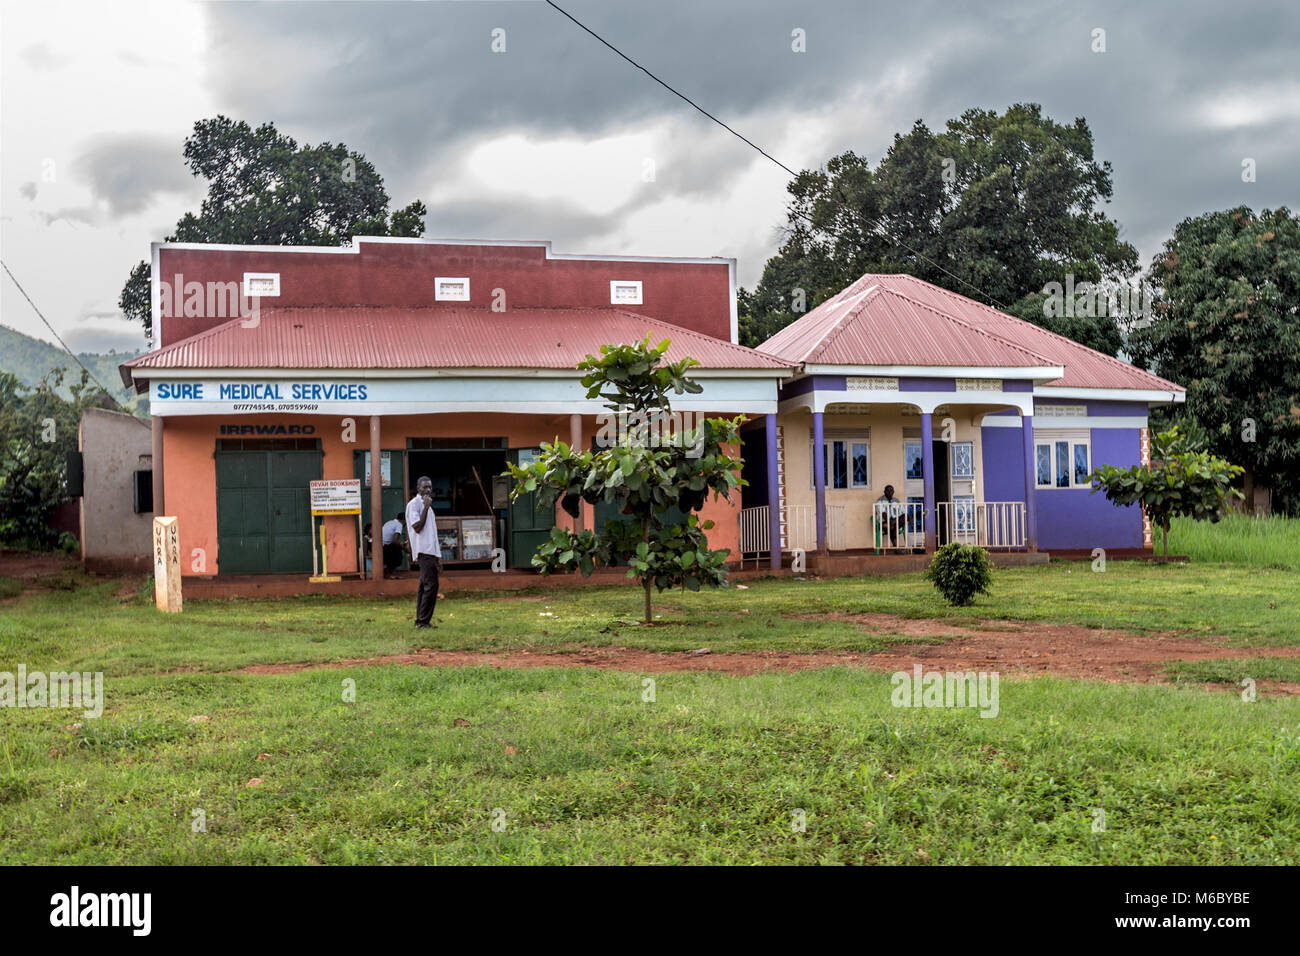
x=471, y=524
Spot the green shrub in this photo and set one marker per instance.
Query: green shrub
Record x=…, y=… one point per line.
x=960, y=571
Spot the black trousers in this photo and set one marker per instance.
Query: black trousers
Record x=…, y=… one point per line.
x=392, y=556
x=427, y=596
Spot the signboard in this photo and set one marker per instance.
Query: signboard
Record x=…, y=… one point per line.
x=241, y=402
x=385, y=468
x=337, y=496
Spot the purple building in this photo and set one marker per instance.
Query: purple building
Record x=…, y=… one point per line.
x=986, y=427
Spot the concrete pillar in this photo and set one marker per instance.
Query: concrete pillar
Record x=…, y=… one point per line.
x=575, y=443
x=773, y=496
x=376, y=504
x=927, y=468
x=819, y=479
x=1031, y=483
x=156, y=423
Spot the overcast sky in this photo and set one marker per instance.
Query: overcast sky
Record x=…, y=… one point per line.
x=550, y=139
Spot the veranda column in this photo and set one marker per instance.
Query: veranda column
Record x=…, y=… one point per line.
x=376, y=505
x=156, y=424
x=575, y=442
x=819, y=479
x=773, y=496
x=1031, y=483
x=927, y=468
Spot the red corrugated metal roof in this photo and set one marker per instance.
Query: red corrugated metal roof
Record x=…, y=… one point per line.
x=373, y=337
x=898, y=319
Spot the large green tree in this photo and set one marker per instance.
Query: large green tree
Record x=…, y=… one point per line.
x=1002, y=203
x=265, y=189
x=1226, y=326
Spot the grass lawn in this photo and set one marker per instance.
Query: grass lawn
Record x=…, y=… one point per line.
x=585, y=770
x=95, y=629
x=1272, y=542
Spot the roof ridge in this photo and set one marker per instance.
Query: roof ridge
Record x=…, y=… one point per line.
x=976, y=328
x=1120, y=363
x=851, y=311
x=827, y=305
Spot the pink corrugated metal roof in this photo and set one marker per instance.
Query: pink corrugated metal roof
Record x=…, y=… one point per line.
x=897, y=319
x=439, y=337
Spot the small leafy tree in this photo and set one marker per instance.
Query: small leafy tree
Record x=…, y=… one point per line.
x=643, y=469
x=1182, y=479
x=960, y=571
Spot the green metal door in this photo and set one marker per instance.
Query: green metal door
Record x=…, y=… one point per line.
x=291, y=524
x=393, y=499
x=264, y=511
x=243, y=496
x=529, y=526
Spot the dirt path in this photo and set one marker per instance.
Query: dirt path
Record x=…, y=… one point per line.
x=1012, y=648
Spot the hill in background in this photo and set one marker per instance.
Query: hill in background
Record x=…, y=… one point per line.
x=31, y=359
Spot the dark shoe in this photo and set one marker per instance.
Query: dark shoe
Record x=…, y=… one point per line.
x=418, y=624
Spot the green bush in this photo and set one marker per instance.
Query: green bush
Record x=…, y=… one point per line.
x=960, y=571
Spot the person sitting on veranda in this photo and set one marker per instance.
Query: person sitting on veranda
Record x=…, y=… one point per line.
x=889, y=511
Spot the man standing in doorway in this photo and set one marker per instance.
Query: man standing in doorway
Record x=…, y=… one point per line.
x=422, y=528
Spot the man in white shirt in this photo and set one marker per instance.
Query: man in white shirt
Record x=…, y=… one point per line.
x=392, y=532
x=422, y=528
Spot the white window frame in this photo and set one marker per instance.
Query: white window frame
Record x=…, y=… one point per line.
x=849, y=438
x=1075, y=438
x=616, y=284
x=253, y=276
x=438, y=295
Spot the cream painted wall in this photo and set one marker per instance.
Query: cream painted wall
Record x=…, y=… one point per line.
x=886, y=426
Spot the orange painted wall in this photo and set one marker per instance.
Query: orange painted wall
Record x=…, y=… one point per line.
x=190, y=479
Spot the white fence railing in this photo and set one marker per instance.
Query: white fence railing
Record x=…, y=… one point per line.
x=895, y=526
x=989, y=524
x=755, y=532
x=800, y=529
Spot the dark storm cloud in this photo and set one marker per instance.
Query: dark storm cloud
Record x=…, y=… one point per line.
x=412, y=85
x=127, y=172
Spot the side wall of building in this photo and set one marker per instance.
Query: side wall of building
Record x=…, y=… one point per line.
x=114, y=538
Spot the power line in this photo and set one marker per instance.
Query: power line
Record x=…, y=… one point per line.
x=766, y=155
x=60, y=339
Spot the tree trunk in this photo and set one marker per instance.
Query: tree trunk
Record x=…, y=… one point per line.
x=1164, y=533
x=645, y=579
